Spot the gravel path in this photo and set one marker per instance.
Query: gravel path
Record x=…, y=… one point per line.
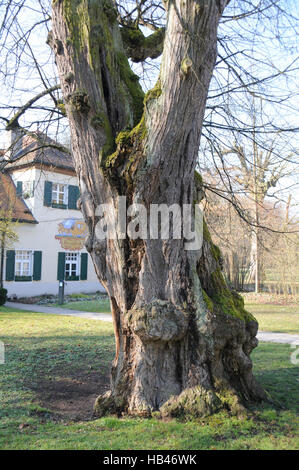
x=60, y=311
x=285, y=338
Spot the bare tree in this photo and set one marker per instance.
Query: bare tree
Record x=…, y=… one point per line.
x=183, y=339
x=232, y=235
x=8, y=234
x=251, y=165
x=281, y=257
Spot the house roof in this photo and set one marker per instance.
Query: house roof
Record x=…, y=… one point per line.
x=39, y=149
x=10, y=200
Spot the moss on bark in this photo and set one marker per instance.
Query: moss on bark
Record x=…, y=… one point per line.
x=93, y=28
x=219, y=297
x=138, y=47
x=226, y=300
x=129, y=143
x=193, y=402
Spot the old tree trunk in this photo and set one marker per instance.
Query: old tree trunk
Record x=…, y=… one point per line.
x=183, y=339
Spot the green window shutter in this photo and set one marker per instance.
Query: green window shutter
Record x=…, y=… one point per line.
x=83, y=270
x=37, y=265
x=10, y=265
x=61, y=266
x=73, y=196
x=48, y=193
x=19, y=188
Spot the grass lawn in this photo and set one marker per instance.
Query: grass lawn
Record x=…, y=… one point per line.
x=277, y=318
x=56, y=365
x=99, y=306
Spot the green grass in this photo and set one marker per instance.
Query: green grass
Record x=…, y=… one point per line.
x=47, y=347
x=82, y=296
x=99, y=306
x=276, y=318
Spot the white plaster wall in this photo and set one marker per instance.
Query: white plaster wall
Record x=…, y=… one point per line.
x=41, y=237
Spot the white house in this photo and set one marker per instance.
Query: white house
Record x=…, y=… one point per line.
x=50, y=228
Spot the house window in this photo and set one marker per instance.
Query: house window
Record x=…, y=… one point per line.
x=72, y=266
x=59, y=194
x=23, y=264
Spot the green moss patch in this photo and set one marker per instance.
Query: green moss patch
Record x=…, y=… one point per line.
x=195, y=402
x=138, y=47
x=208, y=301
x=227, y=301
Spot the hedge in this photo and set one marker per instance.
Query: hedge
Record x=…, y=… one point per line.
x=3, y=295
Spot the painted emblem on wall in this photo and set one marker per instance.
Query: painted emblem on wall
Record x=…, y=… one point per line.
x=71, y=234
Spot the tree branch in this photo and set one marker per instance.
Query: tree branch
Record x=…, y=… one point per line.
x=139, y=47
x=13, y=123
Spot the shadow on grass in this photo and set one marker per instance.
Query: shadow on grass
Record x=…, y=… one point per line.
x=62, y=374
x=65, y=374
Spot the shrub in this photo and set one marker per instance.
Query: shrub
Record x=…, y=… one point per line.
x=3, y=295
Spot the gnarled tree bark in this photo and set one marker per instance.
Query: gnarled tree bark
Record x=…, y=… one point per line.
x=183, y=339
